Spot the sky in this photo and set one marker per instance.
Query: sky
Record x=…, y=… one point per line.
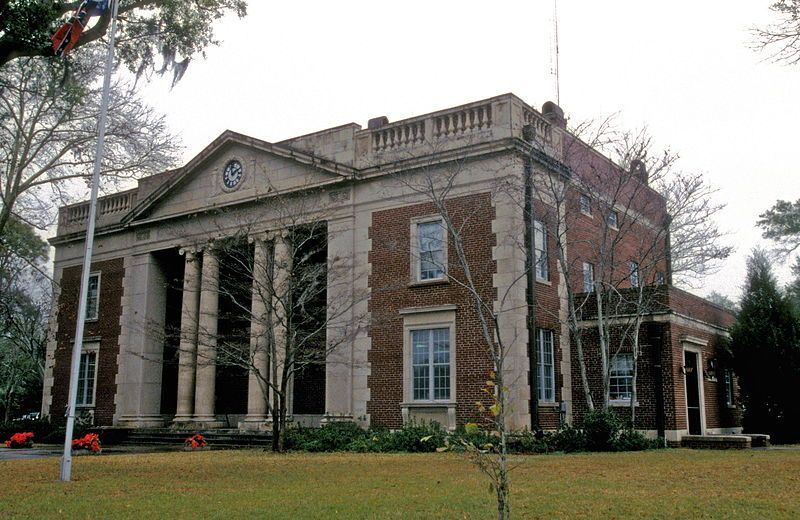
x=683, y=69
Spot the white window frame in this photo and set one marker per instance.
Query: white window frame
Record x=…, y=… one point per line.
x=416, y=254
x=423, y=318
x=697, y=346
x=89, y=347
x=541, y=369
x=633, y=268
x=585, y=204
x=615, y=223
x=542, y=266
x=615, y=359
x=92, y=314
x=588, y=281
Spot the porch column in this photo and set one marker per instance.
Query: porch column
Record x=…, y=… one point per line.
x=281, y=298
x=205, y=386
x=257, y=390
x=187, y=355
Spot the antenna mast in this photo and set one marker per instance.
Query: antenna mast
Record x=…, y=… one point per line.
x=554, y=53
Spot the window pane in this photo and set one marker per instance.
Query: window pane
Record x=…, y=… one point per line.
x=621, y=380
x=86, y=378
x=430, y=364
x=431, y=250
x=634, y=270
x=588, y=277
x=586, y=205
x=540, y=250
x=92, y=297
x=544, y=359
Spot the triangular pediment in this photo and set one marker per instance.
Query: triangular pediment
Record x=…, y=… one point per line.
x=255, y=169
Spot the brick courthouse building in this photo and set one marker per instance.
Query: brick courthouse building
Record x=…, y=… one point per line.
x=156, y=268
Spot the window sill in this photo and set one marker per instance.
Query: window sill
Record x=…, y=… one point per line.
x=426, y=283
x=621, y=403
x=547, y=404
x=84, y=406
x=429, y=404
x=587, y=215
x=544, y=282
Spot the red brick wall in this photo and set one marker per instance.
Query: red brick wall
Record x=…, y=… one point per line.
x=546, y=313
x=650, y=356
x=718, y=414
x=106, y=327
x=696, y=307
x=389, y=284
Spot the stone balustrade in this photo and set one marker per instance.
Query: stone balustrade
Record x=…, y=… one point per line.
x=494, y=119
x=110, y=210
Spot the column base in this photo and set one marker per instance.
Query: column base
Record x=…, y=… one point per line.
x=183, y=419
x=336, y=417
x=141, y=421
x=256, y=423
x=206, y=422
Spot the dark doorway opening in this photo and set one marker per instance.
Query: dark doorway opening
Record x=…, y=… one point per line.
x=172, y=265
x=693, y=409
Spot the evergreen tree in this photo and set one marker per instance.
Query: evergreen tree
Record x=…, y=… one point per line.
x=766, y=348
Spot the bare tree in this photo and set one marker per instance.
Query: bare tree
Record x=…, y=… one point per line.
x=441, y=186
x=280, y=324
x=781, y=39
x=48, y=132
x=24, y=305
x=620, y=230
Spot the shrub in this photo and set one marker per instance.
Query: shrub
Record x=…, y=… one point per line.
x=530, y=442
x=335, y=436
x=20, y=440
x=601, y=428
x=89, y=442
x=567, y=439
x=44, y=431
x=195, y=441
x=414, y=438
x=631, y=440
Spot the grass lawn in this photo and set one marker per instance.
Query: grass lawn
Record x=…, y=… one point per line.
x=256, y=484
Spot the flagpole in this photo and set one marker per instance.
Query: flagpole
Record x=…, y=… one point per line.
x=66, y=461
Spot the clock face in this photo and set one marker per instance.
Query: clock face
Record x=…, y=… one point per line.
x=232, y=174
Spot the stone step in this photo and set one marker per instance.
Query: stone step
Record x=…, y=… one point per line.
x=221, y=438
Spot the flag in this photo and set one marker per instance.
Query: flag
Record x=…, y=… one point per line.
x=67, y=36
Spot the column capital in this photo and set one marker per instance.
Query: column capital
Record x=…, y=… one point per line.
x=189, y=251
x=261, y=236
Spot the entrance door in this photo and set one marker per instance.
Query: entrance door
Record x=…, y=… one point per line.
x=693, y=409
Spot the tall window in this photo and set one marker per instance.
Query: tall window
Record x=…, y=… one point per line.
x=86, y=378
x=545, y=369
x=728, y=386
x=430, y=244
x=588, y=277
x=613, y=219
x=540, y=249
x=430, y=364
x=93, y=297
x=586, y=205
x=621, y=381
x=634, y=270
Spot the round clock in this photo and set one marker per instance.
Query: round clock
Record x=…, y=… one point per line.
x=232, y=174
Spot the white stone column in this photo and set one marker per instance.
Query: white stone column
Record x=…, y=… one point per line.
x=281, y=298
x=187, y=355
x=205, y=382
x=141, y=343
x=257, y=390
x=342, y=321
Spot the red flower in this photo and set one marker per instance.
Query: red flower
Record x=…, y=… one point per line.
x=20, y=440
x=89, y=442
x=196, y=441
